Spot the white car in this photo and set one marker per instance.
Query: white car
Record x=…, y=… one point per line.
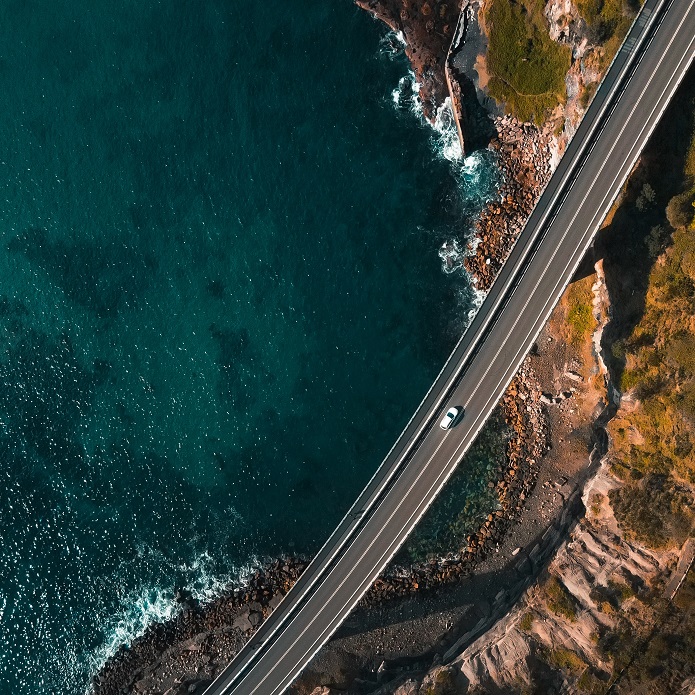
x=449, y=420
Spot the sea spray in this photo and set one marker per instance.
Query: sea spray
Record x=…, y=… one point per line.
x=157, y=604
x=445, y=140
x=392, y=43
x=448, y=143
x=475, y=298
x=478, y=179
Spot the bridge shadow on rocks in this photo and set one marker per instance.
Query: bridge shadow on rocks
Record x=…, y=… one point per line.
x=435, y=624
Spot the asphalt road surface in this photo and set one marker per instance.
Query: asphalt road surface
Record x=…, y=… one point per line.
x=624, y=112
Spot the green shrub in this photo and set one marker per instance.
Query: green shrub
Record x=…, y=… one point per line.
x=654, y=510
x=588, y=91
x=606, y=18
x=560, y=601
x=686, y=402
x=526, y=622
x=630, y=378
x=565, y=659
x=622, y=591
x=656, y=241
x=581, y=321
x=680, y=211
x=591, y=684
x=680, y=352
x=580, y=316
x=608, y=22
x=618, y=350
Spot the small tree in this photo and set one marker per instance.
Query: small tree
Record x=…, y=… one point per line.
x=679, y=210
x=656, y=241
x=646, y=197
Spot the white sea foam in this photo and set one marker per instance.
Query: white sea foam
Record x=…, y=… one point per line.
x=206, y=584
x=448, y=144
x=477, y=185
x=445, y=140
x=140, y=609
x=154, y=604
x=471, y=168
x=392, y=44
x=407, y=95
x=452, y=256
x=478, y=299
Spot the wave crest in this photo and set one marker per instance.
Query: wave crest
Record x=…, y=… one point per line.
x=155, y=604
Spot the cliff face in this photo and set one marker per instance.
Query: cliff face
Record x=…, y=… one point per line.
x=615, y=609
x=565, y=628
x=590, y=58
x=433, y=31
x=460, y=49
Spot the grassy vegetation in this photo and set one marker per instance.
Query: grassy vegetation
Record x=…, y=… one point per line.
x=664, y=661
x=527, y=69
x=526, y=622
x=609, y=599
x=565, y=660
x=654, y=510
x=588, y=91
x=649, y=651
x=589, y=683
x=608, y=22
x=654, y=446
x=559, y=600
x=622, y=591
x=580, y=317
x=595, y=503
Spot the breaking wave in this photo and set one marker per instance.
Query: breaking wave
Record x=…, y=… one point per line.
x=445, y=140
x=155, y=604
x=478, y=179
x=452, y=256
x=392, y=44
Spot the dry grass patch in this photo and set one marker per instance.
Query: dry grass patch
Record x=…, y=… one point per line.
x=527, y=69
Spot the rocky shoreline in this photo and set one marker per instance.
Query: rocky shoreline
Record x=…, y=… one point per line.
x=428, y=30
x=525, y=163
x=524, y=416
x=185, y=654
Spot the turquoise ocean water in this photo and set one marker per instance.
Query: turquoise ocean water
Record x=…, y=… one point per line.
x=220, y=300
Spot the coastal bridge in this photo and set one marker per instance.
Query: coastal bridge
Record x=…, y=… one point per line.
x=625, y=110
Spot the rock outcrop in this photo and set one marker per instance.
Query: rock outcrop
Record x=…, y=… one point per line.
x=428, y=29
x=599, y=571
